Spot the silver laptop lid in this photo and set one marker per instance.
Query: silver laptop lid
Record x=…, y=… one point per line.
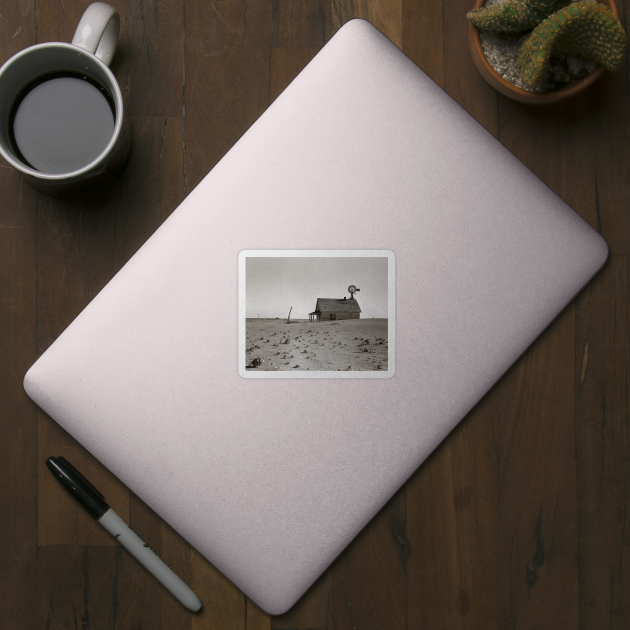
x=271, y=475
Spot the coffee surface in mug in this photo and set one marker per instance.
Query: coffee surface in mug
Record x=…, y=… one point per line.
x=61, y=123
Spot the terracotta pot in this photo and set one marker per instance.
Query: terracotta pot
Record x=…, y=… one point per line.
x=518, y=94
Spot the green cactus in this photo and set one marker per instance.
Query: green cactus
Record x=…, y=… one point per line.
x=583, y=29
x=513, y=16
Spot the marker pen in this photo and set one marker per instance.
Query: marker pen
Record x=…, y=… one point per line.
x=94, y=502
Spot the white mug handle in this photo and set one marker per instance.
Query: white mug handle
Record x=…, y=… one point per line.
x=98, y=31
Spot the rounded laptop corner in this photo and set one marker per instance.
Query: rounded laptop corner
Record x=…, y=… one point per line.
x=357, y=23
x=277, y=605
x=29, y=382
x=32, y=384
x=603, y=252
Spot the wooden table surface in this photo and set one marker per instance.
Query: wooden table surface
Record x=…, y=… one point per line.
x=518, y=520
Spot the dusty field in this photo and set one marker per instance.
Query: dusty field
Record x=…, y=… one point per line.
x=351, y=344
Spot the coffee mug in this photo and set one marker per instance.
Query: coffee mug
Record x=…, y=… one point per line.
x=62, y=114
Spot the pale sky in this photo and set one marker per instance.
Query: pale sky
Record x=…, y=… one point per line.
x=275, y=284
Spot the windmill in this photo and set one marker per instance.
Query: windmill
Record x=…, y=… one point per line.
x=352, y=290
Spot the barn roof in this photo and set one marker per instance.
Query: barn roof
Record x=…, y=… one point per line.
x=333, y=305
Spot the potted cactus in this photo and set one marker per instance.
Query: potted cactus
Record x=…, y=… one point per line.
x=558, y=49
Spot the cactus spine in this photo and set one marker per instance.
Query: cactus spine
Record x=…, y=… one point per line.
x=583, y=29
x=513, y=16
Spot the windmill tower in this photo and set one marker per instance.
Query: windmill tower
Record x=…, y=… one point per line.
x=352, y=290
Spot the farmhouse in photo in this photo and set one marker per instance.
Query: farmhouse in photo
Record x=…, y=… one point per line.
x=328, y=309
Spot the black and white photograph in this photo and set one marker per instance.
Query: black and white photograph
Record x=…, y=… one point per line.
x=315, y=313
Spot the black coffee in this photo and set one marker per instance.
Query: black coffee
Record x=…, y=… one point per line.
x=61, y=123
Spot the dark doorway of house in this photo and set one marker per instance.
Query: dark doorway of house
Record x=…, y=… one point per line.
x=333, y=316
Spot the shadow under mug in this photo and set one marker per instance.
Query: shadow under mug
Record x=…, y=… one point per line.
x=88, y=56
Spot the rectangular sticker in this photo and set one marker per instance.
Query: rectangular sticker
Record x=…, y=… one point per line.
x=316, y=313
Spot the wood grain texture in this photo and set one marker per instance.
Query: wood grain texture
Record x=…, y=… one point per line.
x=302, y=23
x=369, y=577
x=519, y=519
x=422, y=36
x=18, y=416
x=609, y=134
x=452, y=515
x=226, y=78
x=537, y=510
x=17, y=28
x=154, y=57
x=76, y=587
x=602, y=380
x=461, y=79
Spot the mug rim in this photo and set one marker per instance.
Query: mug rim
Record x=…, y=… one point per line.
x=118, y=122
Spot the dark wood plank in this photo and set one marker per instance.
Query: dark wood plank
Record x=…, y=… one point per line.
x=18, y=415
x=452, y=527
x=369, y=577
x=608, y=126
x=603, y=442
x=226, y=78
x=255, y=618
x=422, y=36
x=76, y=587
x=17, y=28
x=537, y=537
x=461, y=78
x=302, y=23
x=154, y=57
x=18, y=421
x=386, y=15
